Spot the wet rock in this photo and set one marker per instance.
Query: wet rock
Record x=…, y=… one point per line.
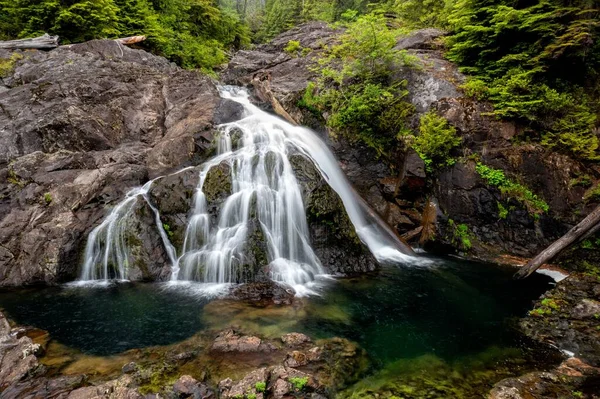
x=228, y=111
x=567, y=318
x=569, y=377
x=246, y=386
x=186, y=386
x=586, y=308
x=333, y=236
x=266, y=292
x=43, y=387
x=419, y=39
x=314, y=354
x=296, y=359
x=230, y=341
x=116, y=389
x=17, y=356
x=286, y=380
x=295, y=339
x=129, y=368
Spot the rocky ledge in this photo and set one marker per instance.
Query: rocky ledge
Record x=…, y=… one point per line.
x=291, y=366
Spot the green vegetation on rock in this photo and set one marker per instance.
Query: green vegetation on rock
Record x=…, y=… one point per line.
x=195, y=34
x=356, y=87
x=7, y=65
x=537, y=62
x=517, y=191
x=435, y=141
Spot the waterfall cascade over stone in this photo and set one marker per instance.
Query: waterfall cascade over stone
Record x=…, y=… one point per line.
x=264, y=188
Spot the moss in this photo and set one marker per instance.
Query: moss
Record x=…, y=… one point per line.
x=430, y=377
x=502, y=211
x=508, y=187
x=546, y=307
x=48, y=198
x=217, y=183
x=158, y=378
x=7, y=65
x=593, y=194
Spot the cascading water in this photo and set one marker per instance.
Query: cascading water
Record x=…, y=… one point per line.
x=263, y=188
x=107, y=255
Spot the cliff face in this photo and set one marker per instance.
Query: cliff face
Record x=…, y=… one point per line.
x=82, y=125
x=427, y=207
x=79, y=127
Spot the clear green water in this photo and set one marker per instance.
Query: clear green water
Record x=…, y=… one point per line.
x=451, y=310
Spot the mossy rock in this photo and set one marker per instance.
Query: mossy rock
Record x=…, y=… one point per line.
x=217, y=185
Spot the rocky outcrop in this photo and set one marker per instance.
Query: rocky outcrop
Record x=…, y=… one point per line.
x=79, y=127
x=17, y=355
x=568, y=317
x=571, y=379
x=458, y=193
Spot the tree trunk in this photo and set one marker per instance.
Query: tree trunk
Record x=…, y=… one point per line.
x=45, y=42
x=590, y=223
x=131, y=40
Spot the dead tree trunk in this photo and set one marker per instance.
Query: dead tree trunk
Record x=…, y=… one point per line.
x=45, y=42
x=590, y=223
x=131, y=40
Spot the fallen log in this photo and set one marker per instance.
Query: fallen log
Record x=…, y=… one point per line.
x=590, y=223
x=45, y=42
x=131, y=40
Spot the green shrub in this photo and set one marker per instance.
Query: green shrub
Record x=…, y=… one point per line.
x=260, y=386
x=436, y=139
x=497, y=178
x=47, y=198
x=298, y=383
x=537, y=63
x=461, y=236
x=593, y=194
x=293, y=48
x=502, y=211
x=356, y=87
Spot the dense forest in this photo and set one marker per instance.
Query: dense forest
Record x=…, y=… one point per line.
x=537, y=61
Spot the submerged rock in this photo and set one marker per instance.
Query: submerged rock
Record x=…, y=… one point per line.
x=230, y=341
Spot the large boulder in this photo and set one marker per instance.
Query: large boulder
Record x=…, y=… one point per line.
x=79, y=127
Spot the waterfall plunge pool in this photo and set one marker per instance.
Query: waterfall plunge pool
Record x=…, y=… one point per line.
x=454, y=311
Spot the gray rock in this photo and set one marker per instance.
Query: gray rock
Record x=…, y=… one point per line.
x=419, y=39
x=80, y=126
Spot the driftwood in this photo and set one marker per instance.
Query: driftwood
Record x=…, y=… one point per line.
x=131, y=40
x=45, y=42
x=48, y=42
x=590, y=224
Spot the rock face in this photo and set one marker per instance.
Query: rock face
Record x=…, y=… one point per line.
x=79, y=127
x=17, y=356
x=568, y=318
x=459, y=194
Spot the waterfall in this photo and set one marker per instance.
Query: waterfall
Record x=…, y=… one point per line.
x=107, y=256
x=264, y=189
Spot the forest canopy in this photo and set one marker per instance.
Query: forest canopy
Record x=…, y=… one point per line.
x=536, y=61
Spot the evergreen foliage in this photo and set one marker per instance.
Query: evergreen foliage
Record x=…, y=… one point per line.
x=538, y=62
x=193, y=33
x=436, y=139
x=356, y=86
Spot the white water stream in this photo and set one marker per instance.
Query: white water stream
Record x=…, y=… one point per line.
x=263, y=186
